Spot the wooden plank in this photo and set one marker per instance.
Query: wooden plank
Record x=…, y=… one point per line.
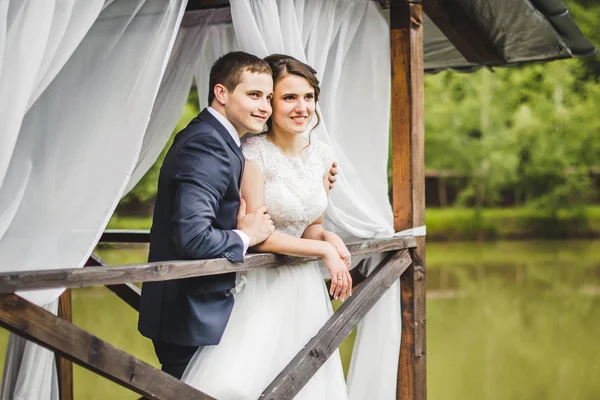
x=408, y=185
x=64, y=365
x=128, y=292
x=125, y=236
x=463, y=31
x=412, y=383
x=40, y=326
x=401, y=49
x=204, y=4
x=11, y=282
x=308, y=361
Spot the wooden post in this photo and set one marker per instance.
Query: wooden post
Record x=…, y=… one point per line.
x=408, y=184
x=63, y=365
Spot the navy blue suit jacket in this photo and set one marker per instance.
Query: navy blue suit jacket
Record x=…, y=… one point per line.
x=195, y=212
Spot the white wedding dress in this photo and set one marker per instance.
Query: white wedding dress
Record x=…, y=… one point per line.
x=277, y=310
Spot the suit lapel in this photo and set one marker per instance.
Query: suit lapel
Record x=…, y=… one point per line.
x=207, y=117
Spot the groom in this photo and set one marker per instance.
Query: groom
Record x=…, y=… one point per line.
x=195, y=212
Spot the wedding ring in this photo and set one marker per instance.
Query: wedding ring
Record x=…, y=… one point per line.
x=340, y=279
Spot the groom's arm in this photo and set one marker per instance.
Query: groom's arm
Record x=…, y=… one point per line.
x=202, y=176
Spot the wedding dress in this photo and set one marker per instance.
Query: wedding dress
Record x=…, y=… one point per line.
x=277, y=310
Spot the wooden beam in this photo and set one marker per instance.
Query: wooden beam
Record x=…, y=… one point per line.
x=64, y=365
x=306, y=363
x=40, y=326
x=412, y=382
x=406, y=41
x=408, y=185
x=11, y=282
x=128, y=292
x=204, y=4
x=125, y=236
x=463, y=31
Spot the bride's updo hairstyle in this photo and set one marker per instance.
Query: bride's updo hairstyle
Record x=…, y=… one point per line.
x=282, y=66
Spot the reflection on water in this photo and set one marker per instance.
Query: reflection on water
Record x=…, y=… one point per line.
x=512, y=320
x=505, y=320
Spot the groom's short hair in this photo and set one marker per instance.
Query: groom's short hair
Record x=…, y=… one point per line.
x=228, y=70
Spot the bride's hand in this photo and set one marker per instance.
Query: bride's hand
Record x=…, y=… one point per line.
x=339, y=245
x=341, y=281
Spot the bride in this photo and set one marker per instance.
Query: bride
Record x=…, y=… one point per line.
x=278, y=310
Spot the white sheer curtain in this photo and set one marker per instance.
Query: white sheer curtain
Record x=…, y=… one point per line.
x=347, y=42
x=36, y=39
x=78, y=80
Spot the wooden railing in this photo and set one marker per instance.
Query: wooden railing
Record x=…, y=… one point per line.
x=72, y=344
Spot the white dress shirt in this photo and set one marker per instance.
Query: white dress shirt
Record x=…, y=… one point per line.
x=236, y=138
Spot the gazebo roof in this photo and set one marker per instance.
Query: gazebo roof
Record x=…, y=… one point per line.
x=467, y=34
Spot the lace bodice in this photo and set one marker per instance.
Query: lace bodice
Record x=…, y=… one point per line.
x=294, y=192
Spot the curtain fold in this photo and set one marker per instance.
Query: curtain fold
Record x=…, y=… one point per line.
x=36, y=39
x=78, y=79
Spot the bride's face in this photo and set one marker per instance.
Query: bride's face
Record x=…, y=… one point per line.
x=293, y=104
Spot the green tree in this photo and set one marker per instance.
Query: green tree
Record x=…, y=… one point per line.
x=141, y=197
x=531, y=129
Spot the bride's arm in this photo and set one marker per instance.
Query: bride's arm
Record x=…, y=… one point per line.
x=252, y=190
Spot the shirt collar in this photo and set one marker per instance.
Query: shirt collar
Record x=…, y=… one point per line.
x=228, y=125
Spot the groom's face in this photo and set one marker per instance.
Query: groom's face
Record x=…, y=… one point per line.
x=248, y=106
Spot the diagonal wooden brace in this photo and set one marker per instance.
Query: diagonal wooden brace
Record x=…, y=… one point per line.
x=128, y=292
x=306, y=363
x=42, y=327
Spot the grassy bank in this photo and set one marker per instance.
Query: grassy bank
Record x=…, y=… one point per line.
x=461, y=224
x=510, y=223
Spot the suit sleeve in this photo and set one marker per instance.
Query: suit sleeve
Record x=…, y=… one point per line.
x=202, y=175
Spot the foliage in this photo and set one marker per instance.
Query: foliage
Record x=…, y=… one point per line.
x=452, y=224
x=530, y=128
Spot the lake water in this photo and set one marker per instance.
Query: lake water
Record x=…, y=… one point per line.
x=505, y=320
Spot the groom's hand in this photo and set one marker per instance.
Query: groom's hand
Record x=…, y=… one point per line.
x=332, y=175
x=257, y=225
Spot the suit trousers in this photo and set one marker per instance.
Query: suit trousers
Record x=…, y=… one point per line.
x=173, y=357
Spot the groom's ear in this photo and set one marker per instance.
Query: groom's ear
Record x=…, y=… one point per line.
x=220, y=94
